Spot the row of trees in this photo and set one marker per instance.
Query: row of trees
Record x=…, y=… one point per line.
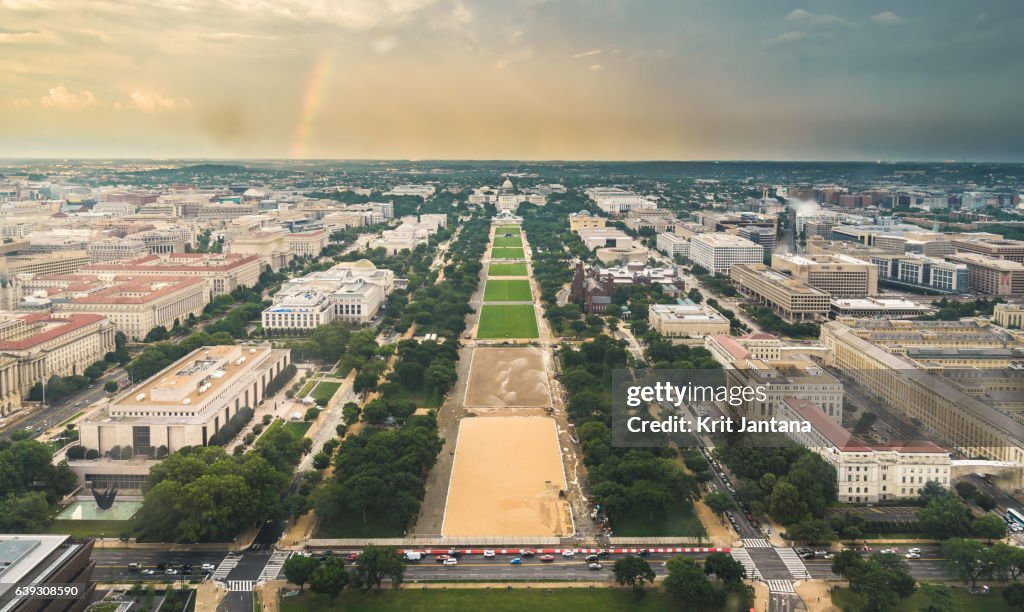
x=553, y=248
x=329, y=576
x=202, y=494
x=624, y=481
x=29, y=485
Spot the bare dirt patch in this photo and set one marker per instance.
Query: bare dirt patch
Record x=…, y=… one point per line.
x=508, y=377
x=506, y=478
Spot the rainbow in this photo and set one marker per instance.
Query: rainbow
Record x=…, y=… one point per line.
x=310, y=103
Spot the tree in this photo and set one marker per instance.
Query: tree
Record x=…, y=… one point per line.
x=967, y=557
x=1014, y=595
x=110, y=386
x=376, y=563
x=988, y=526
x=940, y=599
x=329, y=578
x=811, y=531
x=945, y=517
x=687, y=582
x=719, y=502
x=298, y=569
x=633, y=571
x=787, y=505
x=725, y=567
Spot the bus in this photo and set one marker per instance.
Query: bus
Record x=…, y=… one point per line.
x=1014, y=517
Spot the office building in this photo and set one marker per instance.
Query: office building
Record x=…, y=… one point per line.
x=672, y=245
x=225, y=272
x=728, y=349
x=1010, y=250
x=868, y=473
x=791, y=377
x=616, y=201
x=717, y=253
x=764, y=236
x=686, y=320
x=45, y=345
x=40, y=561
x=887, y=308
x=350, y=291
x=839, y=275
x=600, y=237
x=992, y=276
x=186, y=403
x=585, y=220
x=114, y=249
x=921, y=272
x=790, y=298
x=1009, y=315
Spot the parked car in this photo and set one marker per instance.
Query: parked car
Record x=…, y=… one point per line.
x=134, y=567
x=441, y=558
x=450, y=561
x=568, y=553
x=592, y=558
x=604, y=553
x=547, y=558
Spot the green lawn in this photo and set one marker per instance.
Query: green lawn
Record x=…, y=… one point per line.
x=492, y=600
x=962, y=601
x=350, y=525
x=511, y=241
x=508, y=291
x=507, y=253
x=507, y=269
x=297, y=428
x=681, y=521
x=305, y=389
x=93, y=529
x=422, y=399
x=507, y=229
x=325, y=390
x=507, y=321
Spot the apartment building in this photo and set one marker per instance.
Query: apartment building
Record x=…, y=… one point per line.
x=672, y=244
x=871, y=353
x=868, y=473
x=187, y=402
x=686, y=320
x=841, y=276
x=790, y=298
x=45, y=345
x=134, y=304
x=225, y=272
x=717, y=253
x=992, y=276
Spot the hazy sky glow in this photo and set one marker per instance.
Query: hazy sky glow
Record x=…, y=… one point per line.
x=513, y=79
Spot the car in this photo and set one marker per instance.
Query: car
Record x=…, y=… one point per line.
x=912, y=555
x=171, y=571
x=914, y=550
x=595, y=566
x=807, y=556
x=133, y=567
x=441, y=558
x=604, y=554
x=749, y=516
x=209, y=567
x=455, y=554
x=148, y=572
x=821, y=553
x=591, y=559
x=644, y=552
x=568, y=553
x=488, y=554
x=526, y=553
x=547, y=558
x=352, y=556
x=450, y=561
x=888, y=551
x=161, y=566
x=515, y=561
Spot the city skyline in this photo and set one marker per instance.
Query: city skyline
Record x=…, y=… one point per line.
x=539, y=81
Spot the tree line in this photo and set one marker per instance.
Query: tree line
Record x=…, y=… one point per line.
x=29, y=485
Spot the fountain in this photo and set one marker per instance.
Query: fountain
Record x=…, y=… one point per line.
x=104, y=498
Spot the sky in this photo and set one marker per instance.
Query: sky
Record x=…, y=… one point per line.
x=513, y=79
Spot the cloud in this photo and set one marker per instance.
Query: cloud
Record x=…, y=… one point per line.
x=887, y=18
x=386, y=44
x=596, y=67
x=587, y=53
x=21, y=103
x=10, y=37
x=226, y=37
x=60, y=97
x=805, y=16
x=788, y=37
x=151, y=102
x=352, y=14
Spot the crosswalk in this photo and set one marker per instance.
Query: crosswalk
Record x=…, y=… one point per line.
x=225, y=567
x=793, y=563
x=756, y=543
x=741, y=555
x=781, y=586
x=273, y=567
x=243, y=586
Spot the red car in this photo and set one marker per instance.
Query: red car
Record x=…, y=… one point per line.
x=441, y=558
x=352, y=556
x=547, y=558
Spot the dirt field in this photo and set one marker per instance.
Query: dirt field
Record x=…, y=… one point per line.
x=506, y=478
x=507, y=377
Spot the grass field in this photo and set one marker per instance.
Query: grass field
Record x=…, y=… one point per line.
x=507, y=253
x=507, y=291
x=962, y=601
x=496, y=600
x=681, y=521
x=507, y=321
x=506, y=229
x=306, y=388
x=325, y=390
x=92, y=529
x=297, y=428
x=511, y=241
x=507, y=269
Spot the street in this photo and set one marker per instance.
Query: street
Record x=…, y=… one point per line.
x=54, y=414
